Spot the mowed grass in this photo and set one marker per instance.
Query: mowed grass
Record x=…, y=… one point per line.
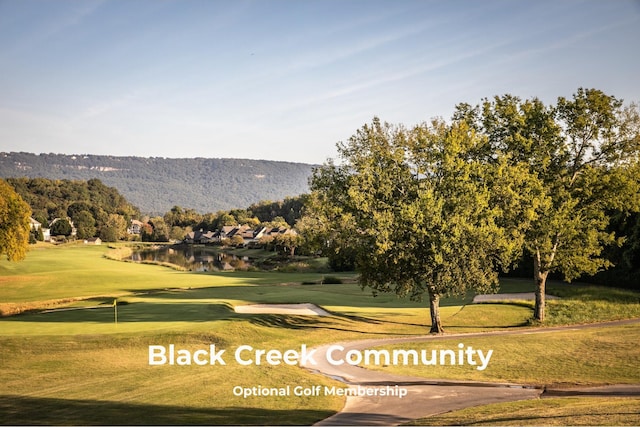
x=545, y=412
x=95, y=379
x=592, y=356
x=79, y=367
x=74, y=271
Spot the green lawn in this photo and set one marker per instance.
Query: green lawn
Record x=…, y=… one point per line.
x=594, y=356
x=545, y=412
x=79, y=367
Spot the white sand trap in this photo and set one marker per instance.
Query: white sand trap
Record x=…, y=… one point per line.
x=304, y=309
x=527, y=296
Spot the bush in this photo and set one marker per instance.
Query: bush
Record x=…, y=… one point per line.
x=331, y=280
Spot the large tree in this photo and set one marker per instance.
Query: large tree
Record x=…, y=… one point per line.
x=583, y=153
x=419, y=209
x=14, y=223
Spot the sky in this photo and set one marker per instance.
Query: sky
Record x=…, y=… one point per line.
x=287, y=79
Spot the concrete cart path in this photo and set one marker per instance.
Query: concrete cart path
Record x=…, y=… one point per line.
x=430, y=397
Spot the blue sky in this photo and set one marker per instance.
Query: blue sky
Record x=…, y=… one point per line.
x=287, y=80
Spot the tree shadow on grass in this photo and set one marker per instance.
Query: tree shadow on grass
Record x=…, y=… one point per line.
x=278, y=294
x=308, y=322
x=133, y=312
x=24, y=410
x=189, y=311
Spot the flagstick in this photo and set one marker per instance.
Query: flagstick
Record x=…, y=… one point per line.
x=115, y=311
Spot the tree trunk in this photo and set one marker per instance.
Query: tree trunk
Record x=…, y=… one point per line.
x=540, y=278
x=434, y=308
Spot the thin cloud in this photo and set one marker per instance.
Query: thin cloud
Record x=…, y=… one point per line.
x=108, y=105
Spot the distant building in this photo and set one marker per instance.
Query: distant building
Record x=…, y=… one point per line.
x=35, y=225
x=93, y=241
x=135, y=227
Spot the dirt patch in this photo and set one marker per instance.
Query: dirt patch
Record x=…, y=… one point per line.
x=304, y=309
x=526, y=296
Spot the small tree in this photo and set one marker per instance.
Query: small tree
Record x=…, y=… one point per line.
x=287, y=243
x=61, y=227
x=109, y=234
x=237, y=240
x=85, y=224
x=14, y=223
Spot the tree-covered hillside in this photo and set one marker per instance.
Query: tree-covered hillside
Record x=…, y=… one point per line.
x=94, y=208
x=157, y=184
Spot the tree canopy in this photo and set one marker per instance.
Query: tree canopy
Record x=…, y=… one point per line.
x=583, y=153
x=14, y=223
x=420, y=210
x=89, y=204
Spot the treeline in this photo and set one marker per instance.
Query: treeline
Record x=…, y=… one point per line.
x=286, y=211
x=179, y=221
x=97, y=210
x=624, y=256
x=156, y=184
x=94, y=208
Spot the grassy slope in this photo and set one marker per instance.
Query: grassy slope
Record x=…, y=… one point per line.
x=547, y=412
x=77, y=367
x=595, y=356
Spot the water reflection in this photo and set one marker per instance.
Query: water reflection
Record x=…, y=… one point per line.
x=192, y=258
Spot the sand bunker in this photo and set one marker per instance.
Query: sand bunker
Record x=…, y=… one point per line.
x=305, y=309
x=527, y=296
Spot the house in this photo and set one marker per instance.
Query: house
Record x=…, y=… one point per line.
x=93, y=241
x=250, y=236
x=135, y=227
x=200, y=237
x=282, y=231
x=35, y=225
x=191, y=237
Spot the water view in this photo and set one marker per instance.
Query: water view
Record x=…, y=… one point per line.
x=192, y=258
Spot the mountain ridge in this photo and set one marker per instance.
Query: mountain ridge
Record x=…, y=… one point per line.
x=156, y=184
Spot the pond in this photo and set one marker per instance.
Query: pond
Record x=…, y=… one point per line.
x=192, y=258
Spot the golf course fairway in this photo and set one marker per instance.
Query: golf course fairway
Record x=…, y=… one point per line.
x=71, y=355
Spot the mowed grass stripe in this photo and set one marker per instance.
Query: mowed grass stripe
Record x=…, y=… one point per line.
x=583, y=411
x=594, y=356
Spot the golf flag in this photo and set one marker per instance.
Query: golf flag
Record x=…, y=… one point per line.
x=115, y=302
x=115, y=311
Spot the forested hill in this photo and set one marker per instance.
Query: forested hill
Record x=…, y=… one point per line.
x=157, y=184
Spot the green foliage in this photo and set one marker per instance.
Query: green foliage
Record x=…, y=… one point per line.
x=91, y=205
x=263, y=214
x=584, y=155
x=157, y=184
x=61, y=227
x=285, y=212
x=157, y=231
x=182, y=217
x=85, y=224
x=109, y=234
x=421, y=211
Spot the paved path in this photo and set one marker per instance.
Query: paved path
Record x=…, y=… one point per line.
x=429, y=397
